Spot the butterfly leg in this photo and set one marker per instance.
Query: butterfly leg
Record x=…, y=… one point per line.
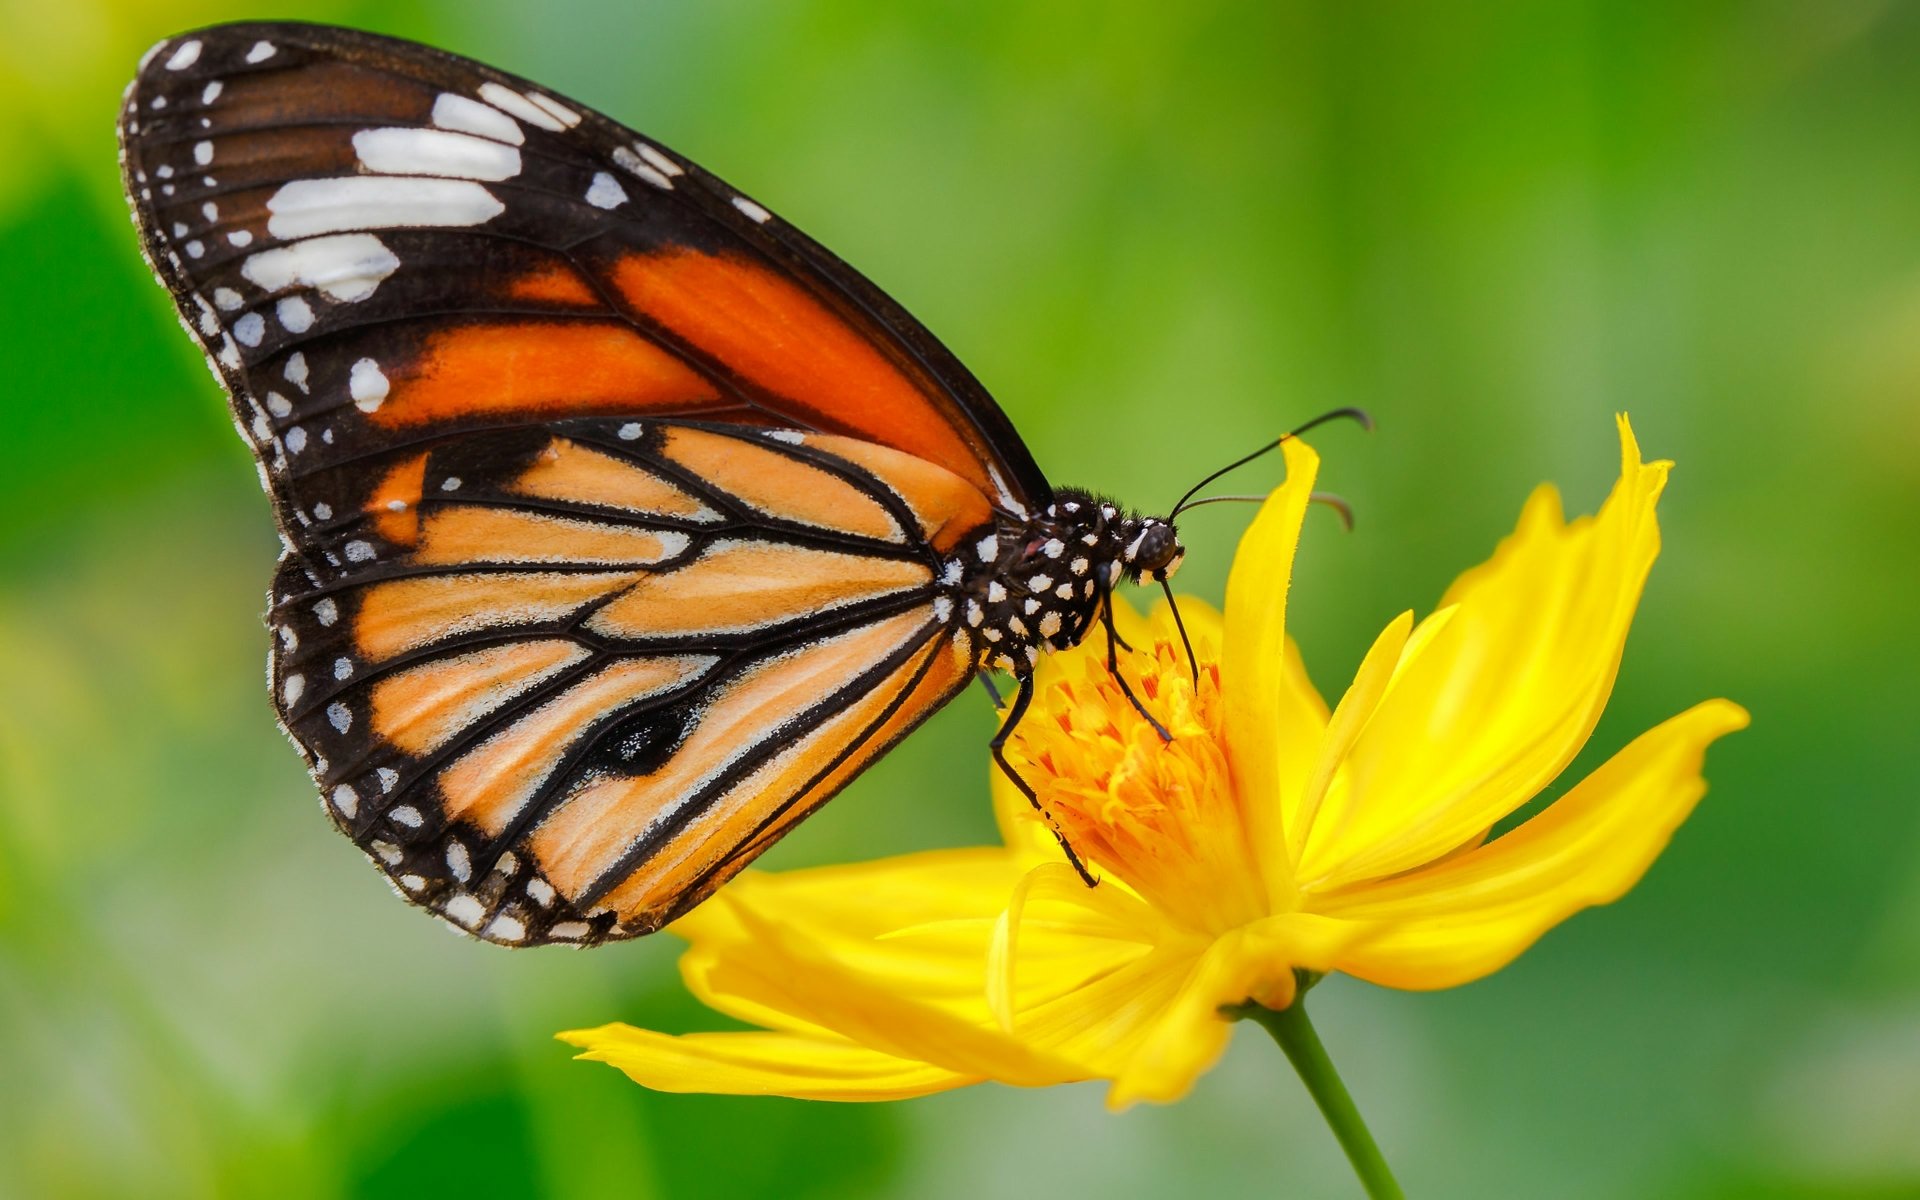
x=986, y=682
x=1113, y=668
x=998, y=747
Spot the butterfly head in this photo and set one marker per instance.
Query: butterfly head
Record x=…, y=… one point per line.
x=1153, y=552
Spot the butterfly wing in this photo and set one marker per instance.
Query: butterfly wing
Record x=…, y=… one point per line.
x=581, y=674
x=466, y=248
x=620, y=517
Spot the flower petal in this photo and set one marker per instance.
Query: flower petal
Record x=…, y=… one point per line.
x=1467, y=916
x=1499, y=701
x=894, y=925
x=1271, y=733
x=870, y=995
x=760, y=1064
x=1370, y=683
x=1111, y=913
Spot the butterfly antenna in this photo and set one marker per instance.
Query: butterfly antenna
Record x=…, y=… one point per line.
x=1193, y=664
x=1337, y=503
x=1356, y=415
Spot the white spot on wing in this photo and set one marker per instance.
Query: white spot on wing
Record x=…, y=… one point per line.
x=606, y=191
x=184, y=57
x=212, y=92
x=203, y=152
x=294, y=313
x=358, y=551
x=296, y=368
x=226, y=298
x=296, y=439
x=339, y=717
x=261, y=52
x=279, y=405
x=407, y=815
x=458, y=862
x=347, y=801
x=306, y=207
x=507, y=100
x=326, y=611
x=754, y=212
x=345, y=267
x=506, y=929
x=435, y=152
x=661, y=162
x=250, y=329
x=630, y=431
x=463, y=115
x=367, y=385
x=540, y=891
x=640, y=167
x=465, y=907
x=240, y=237
x=554, y=108
x=291, y=688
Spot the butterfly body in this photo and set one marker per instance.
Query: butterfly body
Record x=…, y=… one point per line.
x=1038, y=585
x=623, y=524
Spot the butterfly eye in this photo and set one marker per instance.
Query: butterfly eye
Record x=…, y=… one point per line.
x=1155, y=552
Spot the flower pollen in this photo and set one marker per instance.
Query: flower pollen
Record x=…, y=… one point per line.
x=1159, y=817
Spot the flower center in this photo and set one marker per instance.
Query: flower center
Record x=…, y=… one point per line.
x=1160, y=816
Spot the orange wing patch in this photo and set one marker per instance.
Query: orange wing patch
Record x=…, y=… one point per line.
x=588, y=835
x=470, y=534
x=395, y=502
x=403, y=614
x=947, y=506
x=534, y=368
x=423, y=708
x=737, y=587
x=491, y=783
x=566, y=470
x=558, y=284
x=715, y=845
x=781, y=485
x=777, y=337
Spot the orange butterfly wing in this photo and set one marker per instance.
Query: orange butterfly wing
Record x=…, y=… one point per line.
x=623, y=521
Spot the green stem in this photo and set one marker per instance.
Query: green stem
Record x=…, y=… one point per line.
x=1295, y=1034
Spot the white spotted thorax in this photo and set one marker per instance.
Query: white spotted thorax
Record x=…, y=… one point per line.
x=1027, y=586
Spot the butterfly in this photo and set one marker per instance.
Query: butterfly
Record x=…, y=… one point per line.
x=623, y=524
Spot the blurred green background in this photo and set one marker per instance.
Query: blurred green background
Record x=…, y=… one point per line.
x=1160, y=233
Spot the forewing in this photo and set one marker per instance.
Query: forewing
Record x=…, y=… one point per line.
x=379, y=244
x=573, y=678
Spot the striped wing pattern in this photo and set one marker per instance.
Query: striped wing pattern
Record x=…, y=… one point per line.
x=579, y=676
x=623, y=523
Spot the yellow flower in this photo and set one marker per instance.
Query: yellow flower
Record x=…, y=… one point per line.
x=1270, y=836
